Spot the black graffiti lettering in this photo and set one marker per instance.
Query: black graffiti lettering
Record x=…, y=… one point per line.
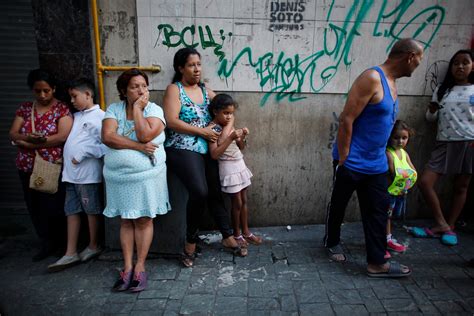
x=274, y=6
x=281, y=17
x=291, y=6
x=272, y=17
x=298, y=18
x=298, y=6
x=286, y=13
x=301, y=7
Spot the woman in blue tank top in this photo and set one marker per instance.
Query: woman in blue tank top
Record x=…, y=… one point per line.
x=186, y=104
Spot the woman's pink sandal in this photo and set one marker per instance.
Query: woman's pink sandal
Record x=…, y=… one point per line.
x=139, y=282
x=123, y=283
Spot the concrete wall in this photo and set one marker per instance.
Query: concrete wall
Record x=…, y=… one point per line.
x=63, y=36
x=290, y=144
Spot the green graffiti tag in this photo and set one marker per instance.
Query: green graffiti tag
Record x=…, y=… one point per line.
x=173, y=38
x=285, y=75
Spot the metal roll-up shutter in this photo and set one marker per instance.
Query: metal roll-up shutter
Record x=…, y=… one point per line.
x=18, y=55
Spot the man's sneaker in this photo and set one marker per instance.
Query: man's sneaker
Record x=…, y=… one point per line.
x=393, y=245
x=63, y=263
x=89, y=253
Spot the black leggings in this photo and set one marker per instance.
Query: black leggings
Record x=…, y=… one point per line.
x=46, y=212
x=200, y=175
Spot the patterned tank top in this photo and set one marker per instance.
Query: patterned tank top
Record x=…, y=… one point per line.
x=405, y=177
x=195, y=115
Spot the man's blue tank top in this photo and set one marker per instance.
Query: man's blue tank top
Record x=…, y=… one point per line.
x=370, y=133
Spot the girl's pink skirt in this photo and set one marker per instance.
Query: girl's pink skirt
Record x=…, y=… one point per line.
x=234, y=175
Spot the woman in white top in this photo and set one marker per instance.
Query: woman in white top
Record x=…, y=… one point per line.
x=453, y=106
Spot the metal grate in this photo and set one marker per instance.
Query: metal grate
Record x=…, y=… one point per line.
x=18, y=55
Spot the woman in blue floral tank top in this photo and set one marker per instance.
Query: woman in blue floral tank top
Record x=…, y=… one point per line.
x=186, y=104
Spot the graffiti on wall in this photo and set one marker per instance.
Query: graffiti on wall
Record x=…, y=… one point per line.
x=433, y=74
x=188, y=37
x=285, y=75
x=287, y=15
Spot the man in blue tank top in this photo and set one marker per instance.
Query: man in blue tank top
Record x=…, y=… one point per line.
x=359, y=156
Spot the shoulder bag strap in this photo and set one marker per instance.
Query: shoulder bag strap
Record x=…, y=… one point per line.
x=33, y=125
x=33, y=117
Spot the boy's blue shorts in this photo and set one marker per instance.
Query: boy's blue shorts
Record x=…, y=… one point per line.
x=83, y=198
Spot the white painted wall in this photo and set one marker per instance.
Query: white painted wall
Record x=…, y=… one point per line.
x=289, y=150
x=336, y=38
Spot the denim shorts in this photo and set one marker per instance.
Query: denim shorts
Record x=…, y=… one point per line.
x=397, y=206
x=83, y=198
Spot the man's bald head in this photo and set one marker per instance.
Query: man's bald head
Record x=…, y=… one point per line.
x=405, y=46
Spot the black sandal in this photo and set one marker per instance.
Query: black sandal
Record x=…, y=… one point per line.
x=335, y=252
x=188, y=259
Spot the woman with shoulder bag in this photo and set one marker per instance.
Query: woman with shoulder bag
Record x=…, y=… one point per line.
x=39, y=130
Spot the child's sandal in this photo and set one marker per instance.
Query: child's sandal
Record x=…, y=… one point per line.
x=241, y=241
x=255, y=240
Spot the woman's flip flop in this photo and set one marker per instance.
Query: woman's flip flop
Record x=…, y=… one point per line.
x=423, y=232
x=449, y=239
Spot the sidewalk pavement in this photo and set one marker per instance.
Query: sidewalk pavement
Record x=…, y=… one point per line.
x=288, y=275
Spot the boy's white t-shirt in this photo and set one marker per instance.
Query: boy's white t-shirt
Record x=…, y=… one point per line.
x=456, y=115
x=84, y=144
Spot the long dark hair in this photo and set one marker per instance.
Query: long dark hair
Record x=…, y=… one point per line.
x=449, y=81
x=180, y=59
x=220, y=102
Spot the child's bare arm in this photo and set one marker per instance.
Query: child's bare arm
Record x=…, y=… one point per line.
x=218, y=148
x=391, y=166
x=241, y=141
x=226, y=130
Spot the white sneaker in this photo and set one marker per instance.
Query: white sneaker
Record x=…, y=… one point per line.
x=89, y=253
x=63, y=263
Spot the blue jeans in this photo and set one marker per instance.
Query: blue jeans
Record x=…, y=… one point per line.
x=397, y=206
x=83, y=198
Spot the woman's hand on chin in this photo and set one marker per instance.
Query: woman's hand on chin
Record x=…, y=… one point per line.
x=142, y=101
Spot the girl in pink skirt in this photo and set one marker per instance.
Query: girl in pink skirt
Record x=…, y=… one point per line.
x=234, y=174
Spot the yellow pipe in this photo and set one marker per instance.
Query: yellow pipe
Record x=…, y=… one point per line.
x=100, y=79
x=101, y=68
x=123, y=68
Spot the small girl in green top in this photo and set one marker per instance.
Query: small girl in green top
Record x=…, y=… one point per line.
x=403, y=176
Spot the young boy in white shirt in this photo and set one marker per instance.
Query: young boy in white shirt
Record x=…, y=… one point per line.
x=82, y=174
